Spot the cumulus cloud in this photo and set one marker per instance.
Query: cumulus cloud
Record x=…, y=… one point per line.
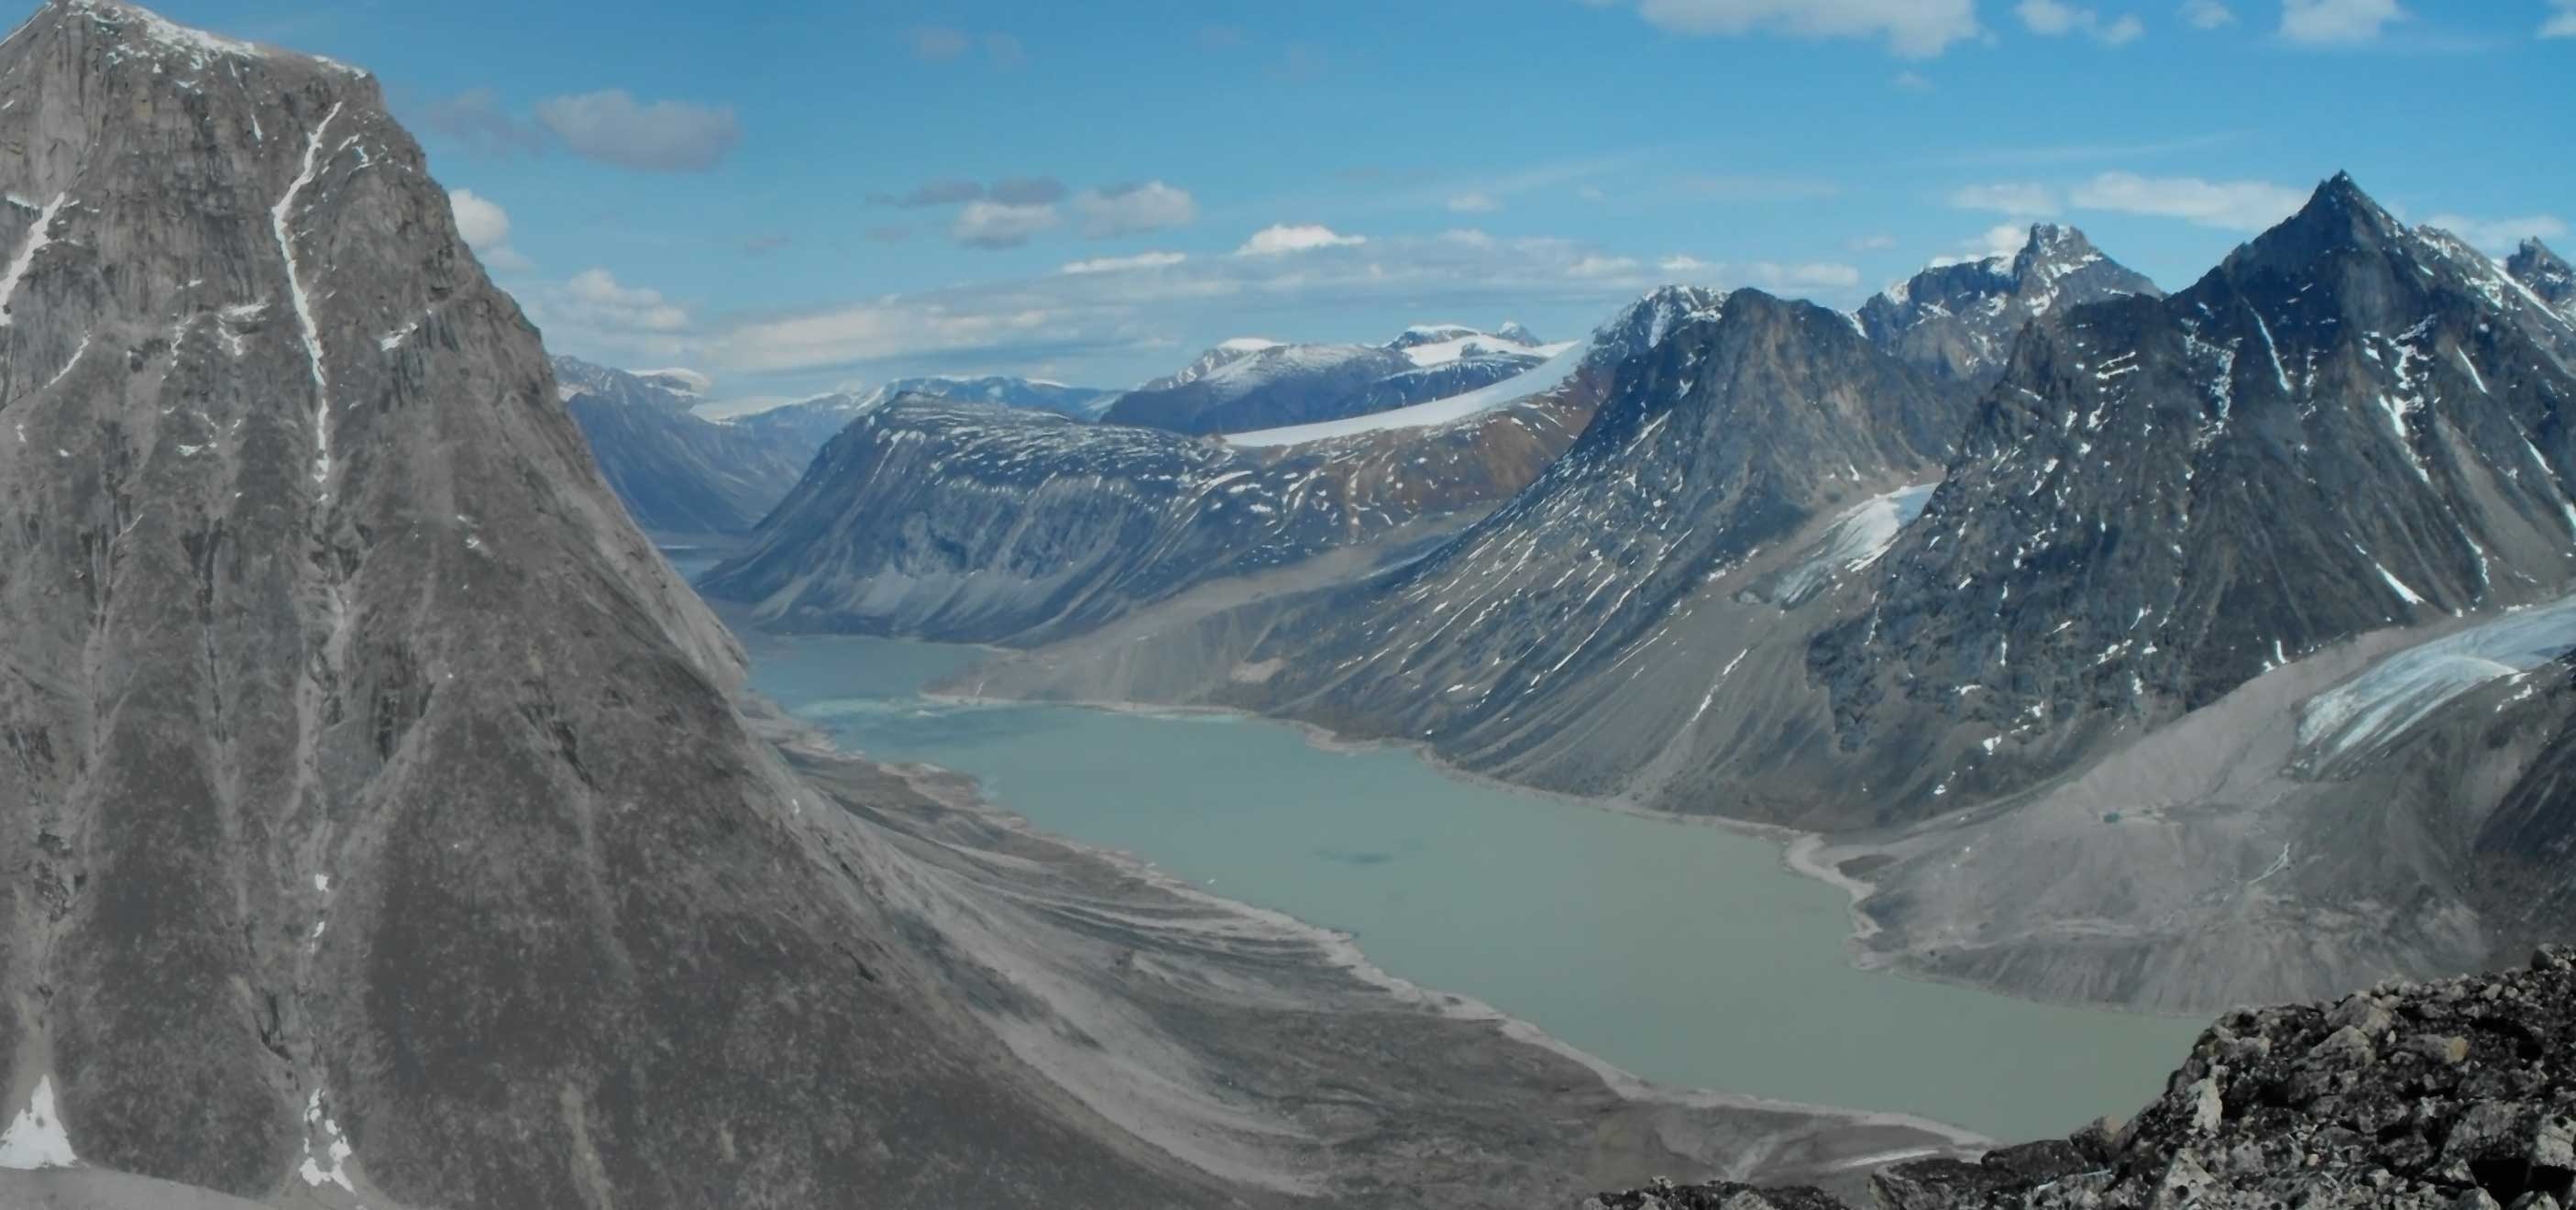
x=2038, y=201
x=1911, y=28
x=2337, y=22
x=2056, y=19
x=1474, y=203
x=664, y=136
x=1027, y=191
x=2562, y=20
x=2206, y=14
x=1133, y=208
x=478, y=119
x=1125, y=264
x=485, y=227
x=930, y=193
x=989, y=224
x=1809, y=275
x=1282, y=238
x=2231, y=205
x=1596, y=266
x=2500, y=234
x=1683, y=264
x=1123, y=304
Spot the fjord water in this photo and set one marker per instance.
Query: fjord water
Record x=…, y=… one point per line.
x=1682, y=952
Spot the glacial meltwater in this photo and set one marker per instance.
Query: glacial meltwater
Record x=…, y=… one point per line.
x=1683, y=952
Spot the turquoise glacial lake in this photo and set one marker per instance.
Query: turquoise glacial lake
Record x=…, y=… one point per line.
x=1686, y=953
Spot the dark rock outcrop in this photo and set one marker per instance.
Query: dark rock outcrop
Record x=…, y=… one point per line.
x=2440, y=1096
x=1958, y=322
x=2346, y=426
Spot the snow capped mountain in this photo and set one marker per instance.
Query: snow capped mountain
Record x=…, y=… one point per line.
x=977, y=523
x=2545, y=274
x=1247, y=385
x=1008, y=391
x=1475, y=390
x=967, y=524
x=1571, y=638
x=2217, y=624
x=2347, y=425
x=1440, y=344
x=1958, y=321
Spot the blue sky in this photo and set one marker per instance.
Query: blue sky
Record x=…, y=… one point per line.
x=778, y=192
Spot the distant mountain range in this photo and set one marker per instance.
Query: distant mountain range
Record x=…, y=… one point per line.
x=681, y=477
x=2117, y=640
x=1249, y=384
x=982, y=523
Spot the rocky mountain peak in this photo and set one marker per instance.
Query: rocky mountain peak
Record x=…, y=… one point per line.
x=2338, y=217
x=2544, y=273
x=1517, y=333
x=1959, y=320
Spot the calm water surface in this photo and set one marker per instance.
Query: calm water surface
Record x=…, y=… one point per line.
x=1682, y=952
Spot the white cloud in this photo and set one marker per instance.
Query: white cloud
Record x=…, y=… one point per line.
x=1911, y=81
x=483, y=224
x=1870, y=243
x=1280, y=238
x=665, y=136
x=2232, y=205
x=2005, y=241
x=1129, y=209
x=1122, y=264
x=885, y=329
x=1683, y=264
x=485, y=227
x=2206, y=14
x=1913, y=28
x=2562, y=20
x=2500, y=234
x=1812, y=275
x=1591, y=193
x=607, y=299
x=1594, y=266
x=999, y=225
x=1474, y=203
x=2329, y=22
x=2056, y=19
x=2037, y=201
x=1109, y=309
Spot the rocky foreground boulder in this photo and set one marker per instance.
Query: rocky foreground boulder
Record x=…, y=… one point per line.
x=2459, y=1094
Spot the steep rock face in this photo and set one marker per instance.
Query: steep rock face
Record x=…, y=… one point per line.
x=2545, y=274
x=1958, y=321
x=2435, y=1096
x=2348, y=425
x=1746, y=423
x=970, y=524
x=982, y=524
x=678, y=475
x=380, y=786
